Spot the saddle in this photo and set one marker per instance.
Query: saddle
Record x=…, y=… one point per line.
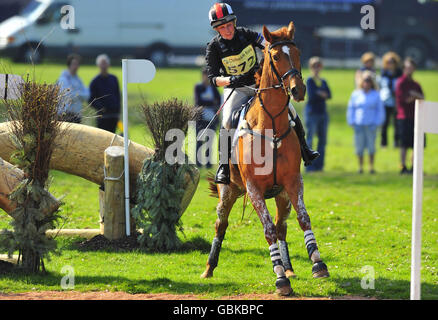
x=240, y=113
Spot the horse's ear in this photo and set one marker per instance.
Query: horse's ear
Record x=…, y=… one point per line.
x=291, y=30
x=267, y=34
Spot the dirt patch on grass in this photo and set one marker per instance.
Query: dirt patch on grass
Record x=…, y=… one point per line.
x=131, y=243
x=99, y=242
x=106, y=295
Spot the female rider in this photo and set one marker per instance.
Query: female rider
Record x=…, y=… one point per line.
x=231, y=63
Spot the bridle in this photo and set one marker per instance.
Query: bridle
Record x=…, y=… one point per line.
x=292, y=72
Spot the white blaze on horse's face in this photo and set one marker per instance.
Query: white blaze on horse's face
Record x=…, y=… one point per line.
x=286, y=50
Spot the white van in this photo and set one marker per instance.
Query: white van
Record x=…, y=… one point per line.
x=136, y=28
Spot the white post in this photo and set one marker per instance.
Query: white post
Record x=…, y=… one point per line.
x=133, y=71
x=426, y=113
x=126, y=143
x=417, y=201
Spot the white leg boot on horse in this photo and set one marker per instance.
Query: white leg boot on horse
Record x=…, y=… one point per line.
x=319, y=269
x=283, y=211
x=258, y=201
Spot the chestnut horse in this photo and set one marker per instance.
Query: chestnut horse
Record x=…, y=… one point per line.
x=268, y=119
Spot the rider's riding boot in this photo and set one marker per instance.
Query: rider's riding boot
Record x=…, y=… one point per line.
x=223, y=171
x=308, y=154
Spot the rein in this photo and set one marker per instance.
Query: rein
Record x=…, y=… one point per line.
x=276, y=140
x=292, y=72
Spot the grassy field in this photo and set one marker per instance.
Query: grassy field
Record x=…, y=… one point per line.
x=358, y=220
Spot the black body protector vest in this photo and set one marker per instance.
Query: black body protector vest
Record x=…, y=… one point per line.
x=236, y=57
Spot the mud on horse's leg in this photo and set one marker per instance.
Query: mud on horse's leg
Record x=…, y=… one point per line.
x=228, y=195
x=319, y=268
x=283, y=212
x=282, y=283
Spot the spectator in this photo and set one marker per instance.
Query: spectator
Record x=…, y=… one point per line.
x=316, y=111
x=365, y=113
x=74, y=91
x=406, y=92
x=105, y=95
x=207, y=97
x=390, y=72
x=368, y=60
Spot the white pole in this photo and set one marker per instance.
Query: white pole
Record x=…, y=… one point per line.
x=126, y=142
x=417, y=201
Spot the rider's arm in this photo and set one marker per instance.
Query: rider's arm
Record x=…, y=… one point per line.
x=213, y=67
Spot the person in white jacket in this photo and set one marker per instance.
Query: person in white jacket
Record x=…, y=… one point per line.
x=73, y=90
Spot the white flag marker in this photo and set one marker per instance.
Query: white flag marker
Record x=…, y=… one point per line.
x=133, y=71
x=10, y=86
x=426, y=115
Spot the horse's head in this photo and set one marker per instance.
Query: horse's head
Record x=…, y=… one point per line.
x=283, y=58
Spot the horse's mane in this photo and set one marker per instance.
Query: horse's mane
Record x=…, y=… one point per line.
x=277, y=35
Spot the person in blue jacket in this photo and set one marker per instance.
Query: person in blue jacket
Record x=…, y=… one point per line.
x=365, y=113
x=391, y=71
x=316, y=114
x=105, y=95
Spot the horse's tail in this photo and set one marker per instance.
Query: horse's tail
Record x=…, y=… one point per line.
x=212, y=186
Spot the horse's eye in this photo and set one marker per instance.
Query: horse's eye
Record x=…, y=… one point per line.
x=276, y=57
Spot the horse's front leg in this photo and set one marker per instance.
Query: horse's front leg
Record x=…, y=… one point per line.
x=282, y=283
x=227, y=197
x=296, y=194
x=283, y=210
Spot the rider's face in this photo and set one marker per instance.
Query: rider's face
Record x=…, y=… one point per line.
x=226, y=30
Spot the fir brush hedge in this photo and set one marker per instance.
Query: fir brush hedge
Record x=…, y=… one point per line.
x=160, y=185
x=34, y=127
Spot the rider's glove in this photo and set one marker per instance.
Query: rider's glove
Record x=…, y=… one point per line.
x=234, y=81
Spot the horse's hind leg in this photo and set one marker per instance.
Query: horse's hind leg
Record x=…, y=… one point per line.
x=257, y=198
x=283, y=211
x=296, y=194
x=227, y=197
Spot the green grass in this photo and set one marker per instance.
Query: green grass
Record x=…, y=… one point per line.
x=358, y=220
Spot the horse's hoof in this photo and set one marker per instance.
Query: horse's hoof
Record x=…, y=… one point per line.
x=284, y=291
x=319, y=270
x=206, y=274
x=290, y=274
x=283, y=286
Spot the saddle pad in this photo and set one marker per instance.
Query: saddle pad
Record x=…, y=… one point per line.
x=240, y=114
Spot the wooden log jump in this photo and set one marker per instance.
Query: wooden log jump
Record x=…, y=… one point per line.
x=80, y=151
x=10, y=178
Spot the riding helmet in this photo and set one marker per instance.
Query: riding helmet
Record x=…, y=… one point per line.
x=221, y=13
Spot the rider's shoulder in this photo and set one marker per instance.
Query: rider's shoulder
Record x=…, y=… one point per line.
x=246, y=31
x=213, y=41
